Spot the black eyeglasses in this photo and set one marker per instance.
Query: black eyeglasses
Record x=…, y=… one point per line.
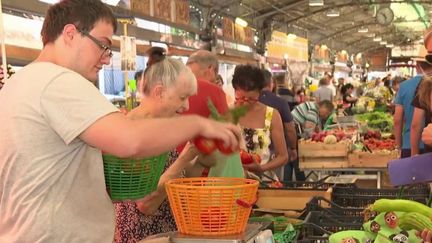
x=428, y=58
x=107, y=52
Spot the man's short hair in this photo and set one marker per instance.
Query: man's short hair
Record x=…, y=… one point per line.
x=204, y=58
x=82, y=13
x=267, y=77
x=279, y=79
x=328, y=105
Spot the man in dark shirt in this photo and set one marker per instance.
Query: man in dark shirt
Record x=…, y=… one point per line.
x=272, y=100
x=284, y=92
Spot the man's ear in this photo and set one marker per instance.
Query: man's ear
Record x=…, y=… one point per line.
x=69, y=33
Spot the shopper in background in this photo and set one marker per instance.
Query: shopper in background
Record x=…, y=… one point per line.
x=403, y=114
x=154, y=54
x=283, y=91
x=422, y=115
x=300, y=96
x=204, y=65
x=348, y=99
x=422, y=103
x=329, y=82
x=219, y=81
x=262, y=125
x=270, y=99
x=323, y=92
x=57, y=123
x=308, y=117
x=167, y=85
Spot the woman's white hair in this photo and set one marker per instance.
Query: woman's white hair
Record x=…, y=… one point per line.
x=166, y=73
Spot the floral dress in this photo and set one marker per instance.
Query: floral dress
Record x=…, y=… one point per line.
x=258, y=140
x=133, y=226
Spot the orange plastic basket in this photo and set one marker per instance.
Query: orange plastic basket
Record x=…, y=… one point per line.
x=210, y=206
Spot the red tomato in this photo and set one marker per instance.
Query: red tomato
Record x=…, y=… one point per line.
x=222, y=148
x=204, y=145
x=256, y=158
x=213, y=218
x=246, y=158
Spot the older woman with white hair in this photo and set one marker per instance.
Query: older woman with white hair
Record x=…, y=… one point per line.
x=166, y=87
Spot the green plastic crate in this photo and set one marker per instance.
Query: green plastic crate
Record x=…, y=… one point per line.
x=129, y=179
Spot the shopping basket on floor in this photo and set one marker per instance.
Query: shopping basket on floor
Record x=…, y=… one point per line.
x=211, y=206
x=129, y=179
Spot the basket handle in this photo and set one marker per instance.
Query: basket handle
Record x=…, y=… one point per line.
x=245, y=204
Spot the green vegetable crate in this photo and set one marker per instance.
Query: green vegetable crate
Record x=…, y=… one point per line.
x=129, y=179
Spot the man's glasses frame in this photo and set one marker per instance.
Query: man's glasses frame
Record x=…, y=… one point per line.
x=107, y=51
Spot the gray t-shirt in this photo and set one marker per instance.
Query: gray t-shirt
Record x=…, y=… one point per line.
x=52, y=186
x=324, y=93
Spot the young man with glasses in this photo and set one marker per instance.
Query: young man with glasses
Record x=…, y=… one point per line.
x=55, y=125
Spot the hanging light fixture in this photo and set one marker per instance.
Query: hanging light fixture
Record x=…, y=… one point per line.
x=315, y=3
x=377, y=39
x=291, y=36
x=241, y=22
x=111, y=2
x=49, y=1
x=389, y=45
x=383, y=43
x=333, y=13
x=363, y=30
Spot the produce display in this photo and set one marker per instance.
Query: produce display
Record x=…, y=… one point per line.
x=378, y=120
x=392, y=220
x=329, y=137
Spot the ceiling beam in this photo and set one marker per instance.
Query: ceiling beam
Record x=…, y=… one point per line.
x=323, y=9
x=283, y=9
x=346, y=30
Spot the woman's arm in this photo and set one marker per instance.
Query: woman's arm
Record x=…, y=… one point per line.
x=416, y=127
x=398, y=124
x=279, y=144
x=150, y=203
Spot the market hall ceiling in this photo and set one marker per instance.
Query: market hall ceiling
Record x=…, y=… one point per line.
x=396, y=22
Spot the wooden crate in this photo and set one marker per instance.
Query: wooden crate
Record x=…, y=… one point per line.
x=289, y=199
x=314, y=155
x=370, y=160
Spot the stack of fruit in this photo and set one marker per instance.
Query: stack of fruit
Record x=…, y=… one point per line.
x=329, y=137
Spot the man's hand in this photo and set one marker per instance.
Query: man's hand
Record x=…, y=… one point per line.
x=427, y=135
x=229, y=133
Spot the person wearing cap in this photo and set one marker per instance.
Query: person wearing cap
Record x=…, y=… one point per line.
x=422, y=114
x=426, y=234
